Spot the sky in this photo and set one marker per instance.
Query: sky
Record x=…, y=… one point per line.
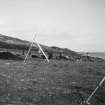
x=75, y=24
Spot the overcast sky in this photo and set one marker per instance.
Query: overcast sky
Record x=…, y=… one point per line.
x=75, y=24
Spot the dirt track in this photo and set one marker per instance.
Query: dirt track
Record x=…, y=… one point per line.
x=56, y=83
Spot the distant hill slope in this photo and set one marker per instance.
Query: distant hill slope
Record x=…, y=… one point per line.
x=12, y=40
x=15, y=43
x=66, y=51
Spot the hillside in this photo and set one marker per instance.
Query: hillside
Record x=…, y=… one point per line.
x=15, y=43
x=18, y=46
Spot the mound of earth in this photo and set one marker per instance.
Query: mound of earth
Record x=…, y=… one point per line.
x=9, y=56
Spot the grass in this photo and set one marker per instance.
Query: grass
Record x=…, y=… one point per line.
x=56, y=83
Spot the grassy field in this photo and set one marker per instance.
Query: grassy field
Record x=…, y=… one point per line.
x=56, y=83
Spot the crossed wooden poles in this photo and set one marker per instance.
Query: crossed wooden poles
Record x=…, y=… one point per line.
x=40, y=48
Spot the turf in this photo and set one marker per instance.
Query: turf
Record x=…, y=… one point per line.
x=56, y=83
